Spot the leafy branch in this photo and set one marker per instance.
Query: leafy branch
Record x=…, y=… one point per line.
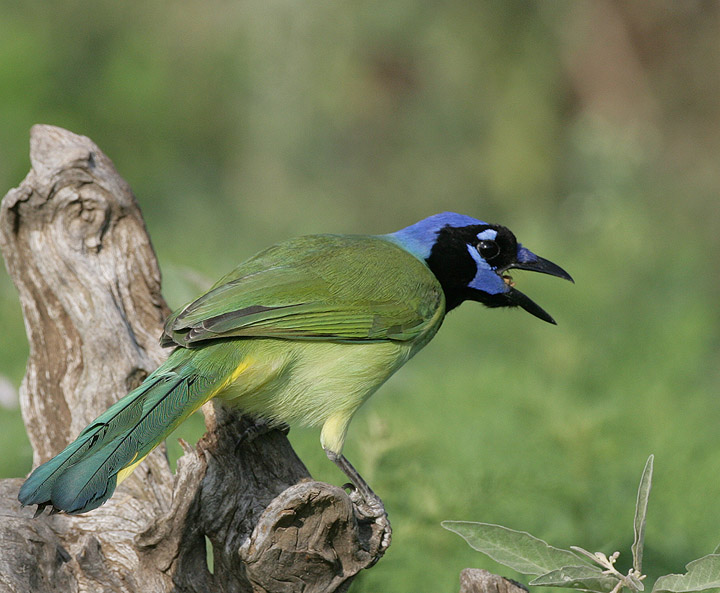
x=577, y=568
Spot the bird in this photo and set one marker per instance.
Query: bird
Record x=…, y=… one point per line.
x=303, y=332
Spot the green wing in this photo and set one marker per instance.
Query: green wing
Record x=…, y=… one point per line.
x=324, y=287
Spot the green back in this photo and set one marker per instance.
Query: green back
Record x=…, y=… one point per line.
x=322, y=287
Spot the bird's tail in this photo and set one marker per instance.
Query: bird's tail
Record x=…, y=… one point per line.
x=85, y=474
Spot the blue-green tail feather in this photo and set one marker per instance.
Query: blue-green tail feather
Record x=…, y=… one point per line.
x=84, y=475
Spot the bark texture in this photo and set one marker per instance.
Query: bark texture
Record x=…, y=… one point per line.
x=76, y=246
x=475, y=580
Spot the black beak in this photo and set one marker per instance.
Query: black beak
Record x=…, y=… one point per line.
x=529, y=261
x=542, y=265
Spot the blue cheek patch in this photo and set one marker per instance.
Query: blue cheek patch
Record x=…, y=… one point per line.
x=485, y=278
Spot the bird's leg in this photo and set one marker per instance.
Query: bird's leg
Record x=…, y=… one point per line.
x=367, y=504
x=373, y=507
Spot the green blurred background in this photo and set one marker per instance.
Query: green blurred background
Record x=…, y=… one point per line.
x=588, y=127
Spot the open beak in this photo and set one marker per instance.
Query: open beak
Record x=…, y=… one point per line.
x=527, y=260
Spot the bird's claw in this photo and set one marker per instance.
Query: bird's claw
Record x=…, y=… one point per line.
x=365, y=507
x=372, y=510
x=384, y=523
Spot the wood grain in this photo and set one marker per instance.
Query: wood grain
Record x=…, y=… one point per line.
x=76, y=247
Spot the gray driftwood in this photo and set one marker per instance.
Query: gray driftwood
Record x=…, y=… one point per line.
x=76, y=247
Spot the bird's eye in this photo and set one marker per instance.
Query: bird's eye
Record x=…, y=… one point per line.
x=488, y=249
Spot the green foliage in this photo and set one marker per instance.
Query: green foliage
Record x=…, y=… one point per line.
x=643, y=497
x=702, y=574
x=584, y=577
x=517, y=549
x=579, y=569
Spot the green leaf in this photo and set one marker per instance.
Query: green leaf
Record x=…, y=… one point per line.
x=702, y=574
x=641, y=513
x=516, y=549
x=586, y=578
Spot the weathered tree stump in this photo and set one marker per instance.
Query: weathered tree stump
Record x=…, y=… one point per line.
x=76, y=246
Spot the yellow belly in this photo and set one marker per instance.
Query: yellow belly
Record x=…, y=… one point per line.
x=313, y=383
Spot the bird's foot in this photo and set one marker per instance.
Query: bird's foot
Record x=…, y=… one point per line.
x=369, y=508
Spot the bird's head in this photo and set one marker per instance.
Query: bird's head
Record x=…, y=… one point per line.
x=472, y=259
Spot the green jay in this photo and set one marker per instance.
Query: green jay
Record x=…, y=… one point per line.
x=301, y=333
